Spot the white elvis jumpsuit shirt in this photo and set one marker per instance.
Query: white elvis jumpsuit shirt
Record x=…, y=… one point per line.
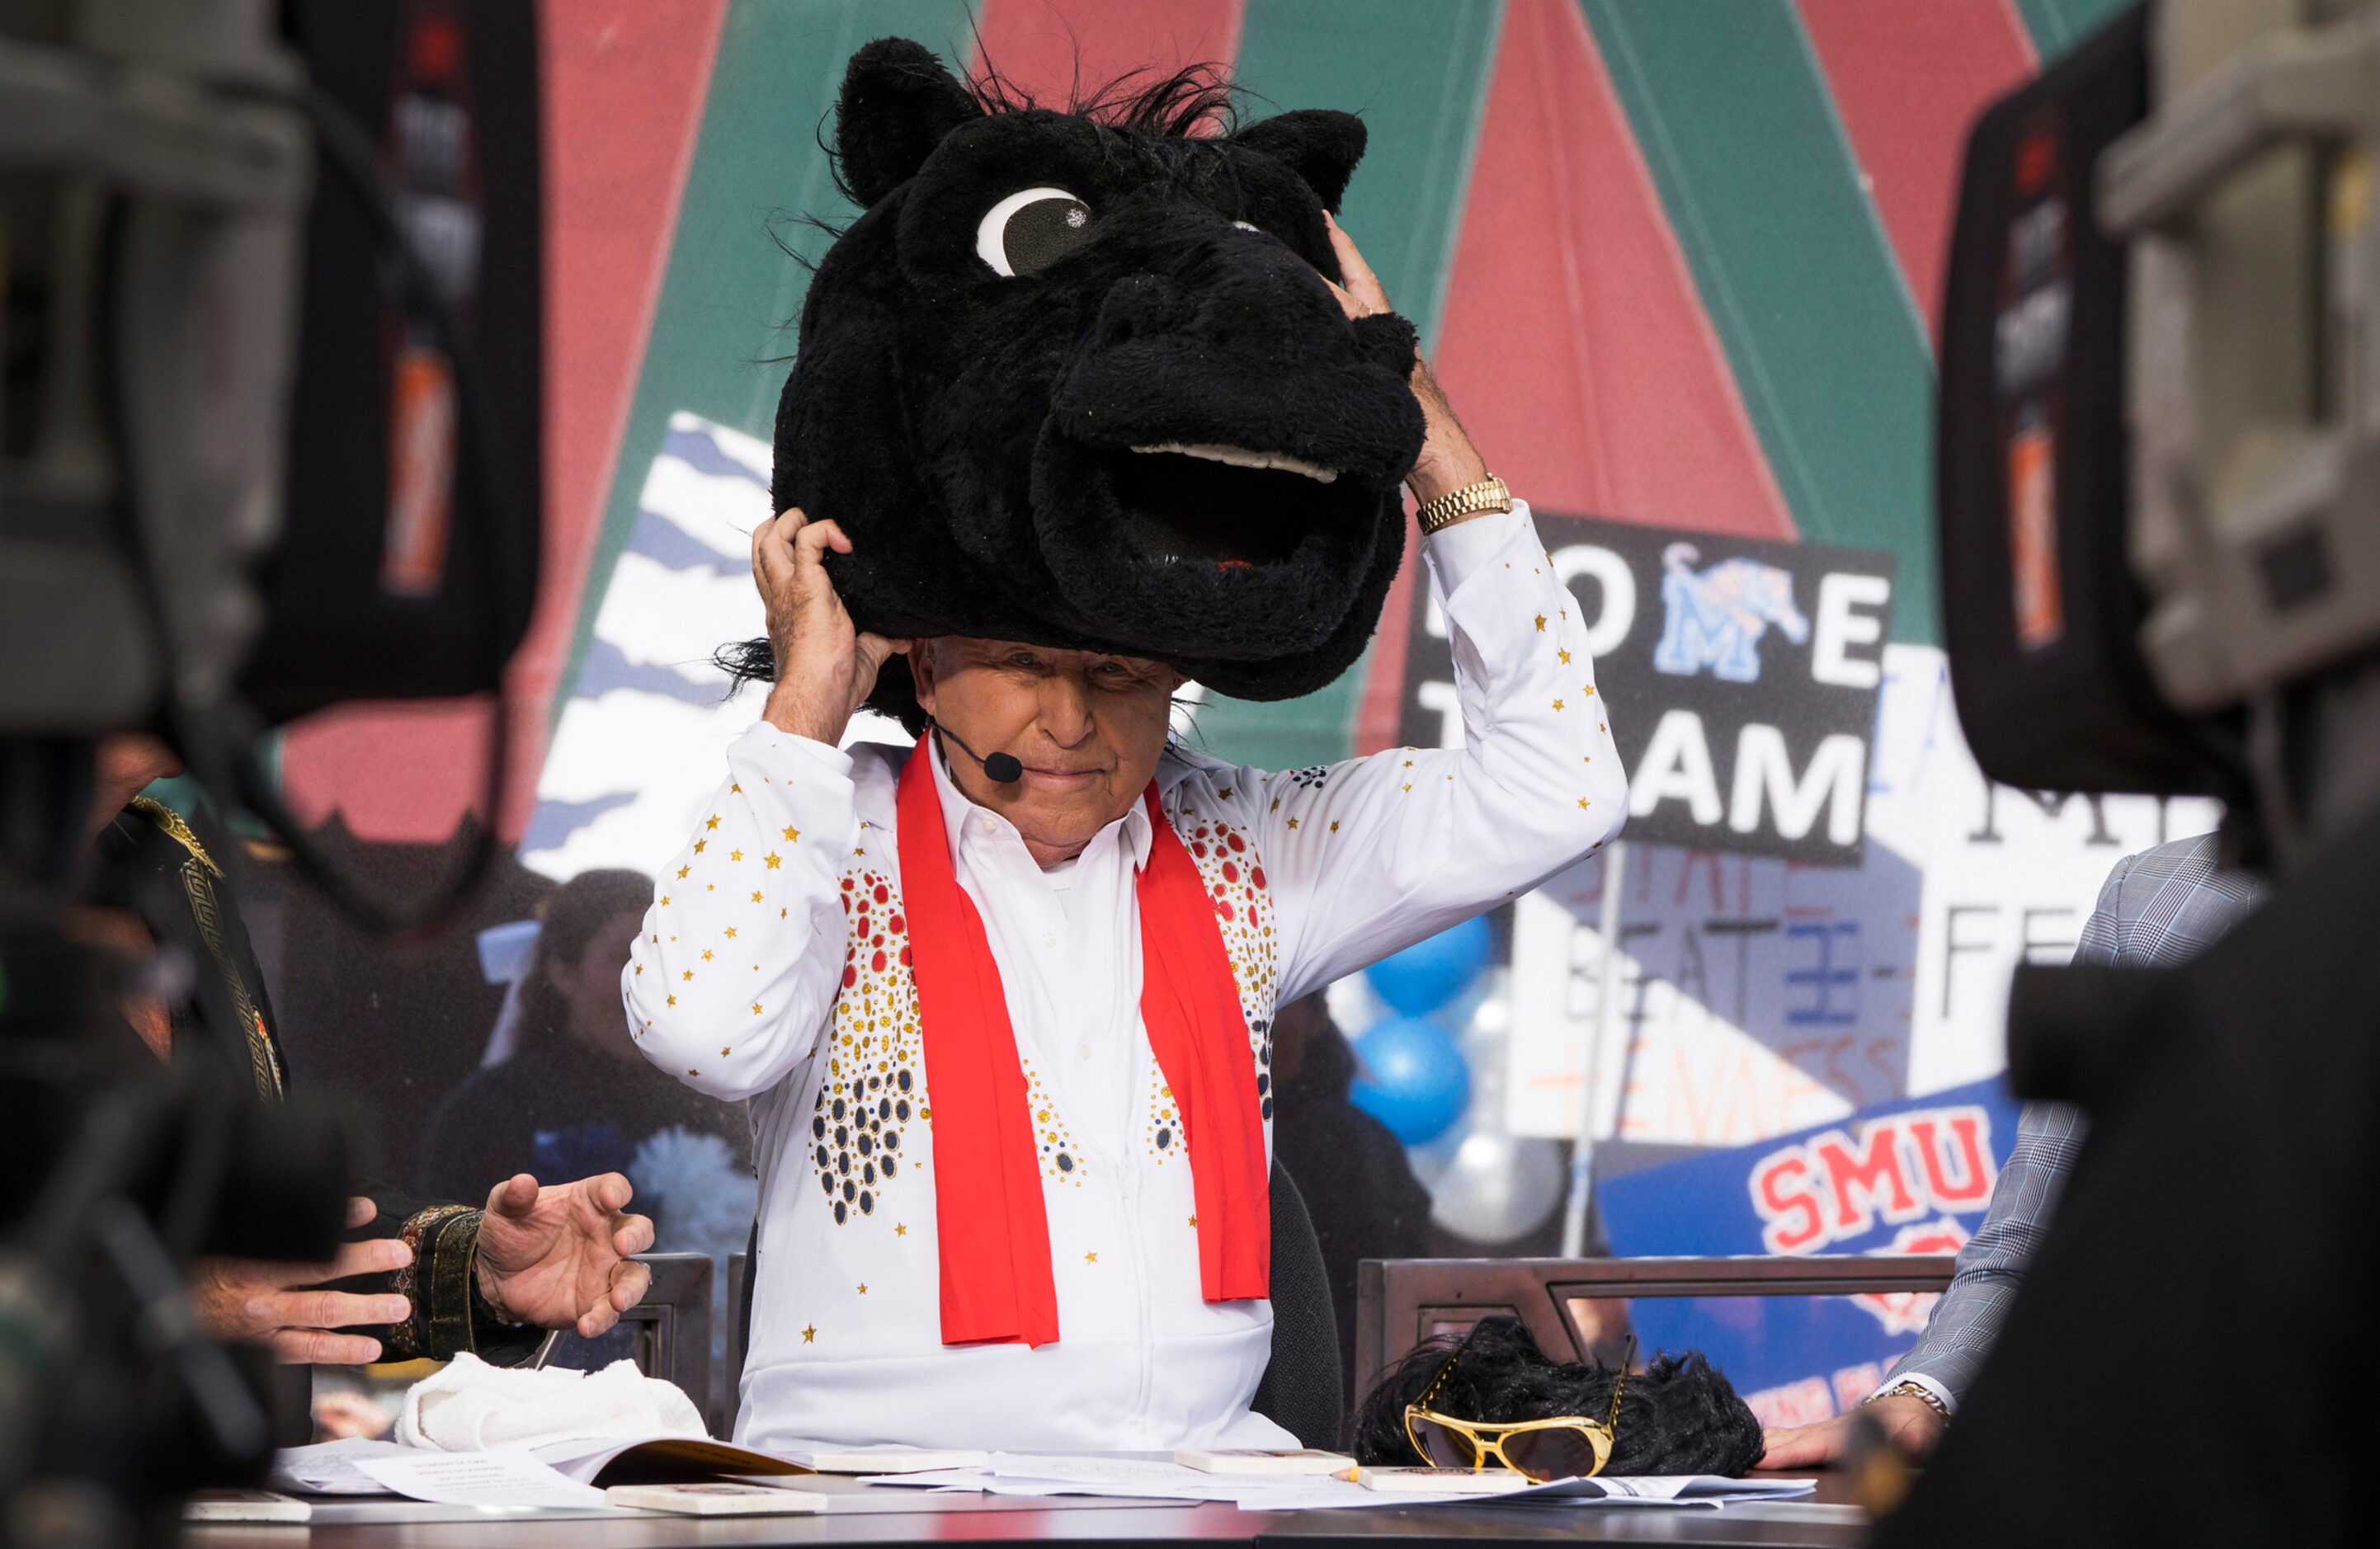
x=771, y=966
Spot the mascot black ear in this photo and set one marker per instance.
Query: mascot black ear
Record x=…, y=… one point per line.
x=1321, y=144
x=897, y=103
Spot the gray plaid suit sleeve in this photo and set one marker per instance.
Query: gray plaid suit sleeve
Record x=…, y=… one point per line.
x=2158, y=909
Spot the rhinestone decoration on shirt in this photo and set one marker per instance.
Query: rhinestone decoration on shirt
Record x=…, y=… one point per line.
x=875, y=1084
x=1228, y=863
x=1061, y=1157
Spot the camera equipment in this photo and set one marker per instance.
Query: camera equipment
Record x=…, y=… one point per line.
x=2160, y=524
x=269, y=426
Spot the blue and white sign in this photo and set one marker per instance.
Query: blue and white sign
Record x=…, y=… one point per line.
x=1742, y=678
x=1913, y=1176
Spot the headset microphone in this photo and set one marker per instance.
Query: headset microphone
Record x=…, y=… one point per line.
x=1000, y=769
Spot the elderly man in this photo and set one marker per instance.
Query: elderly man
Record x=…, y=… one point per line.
x=1003, y=1002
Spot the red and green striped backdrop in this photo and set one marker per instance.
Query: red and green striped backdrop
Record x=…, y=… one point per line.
x=1677, y=260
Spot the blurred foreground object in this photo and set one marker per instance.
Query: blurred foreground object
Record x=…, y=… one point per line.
x=2197, y=606
x=268, y=433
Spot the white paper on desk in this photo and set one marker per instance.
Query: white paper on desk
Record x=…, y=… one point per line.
x=478, y=1479
x=329, y=1468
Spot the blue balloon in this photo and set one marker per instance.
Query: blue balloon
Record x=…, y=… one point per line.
x=1415, y=1080
x=1427, y=974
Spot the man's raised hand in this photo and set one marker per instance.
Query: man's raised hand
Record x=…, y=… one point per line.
x=559, y=1257
x=825, y=667
x=1447, y=460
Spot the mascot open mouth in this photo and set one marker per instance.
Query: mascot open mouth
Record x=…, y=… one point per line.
x=1225, y=505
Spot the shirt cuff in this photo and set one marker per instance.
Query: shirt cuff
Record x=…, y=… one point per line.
x=1457, y=551
x=1918, y=1379
x=774, y=746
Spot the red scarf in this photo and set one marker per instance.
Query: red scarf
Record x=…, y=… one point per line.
x=997, y=1287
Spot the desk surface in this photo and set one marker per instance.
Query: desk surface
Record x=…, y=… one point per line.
x=1825, y=1521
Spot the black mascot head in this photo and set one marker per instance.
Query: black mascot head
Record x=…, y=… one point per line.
x=1073, y=379
x=1678, y=1416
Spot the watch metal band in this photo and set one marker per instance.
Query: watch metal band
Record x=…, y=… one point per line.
x=1915, y=1390
x=1489, y=494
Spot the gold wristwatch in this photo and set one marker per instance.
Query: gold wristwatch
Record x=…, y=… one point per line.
x=1489, y=494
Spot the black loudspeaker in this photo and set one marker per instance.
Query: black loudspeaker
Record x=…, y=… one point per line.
x=2041, y=613
x=409, y=562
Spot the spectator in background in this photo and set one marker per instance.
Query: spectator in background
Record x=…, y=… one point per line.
x=1352, y=1171
x=577, y=1095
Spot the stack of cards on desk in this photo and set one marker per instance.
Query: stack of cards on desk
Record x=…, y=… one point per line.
x=716, y=1500
x=1305, y=1460
x=1442, y=1481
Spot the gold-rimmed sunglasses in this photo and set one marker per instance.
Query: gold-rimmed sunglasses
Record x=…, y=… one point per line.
x=1565, y=1446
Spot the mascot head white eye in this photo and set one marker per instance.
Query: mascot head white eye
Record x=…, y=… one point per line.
x=1031, y=229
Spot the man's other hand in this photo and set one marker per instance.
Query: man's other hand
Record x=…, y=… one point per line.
x=1448, y=460
x=1914, y=1427
x=248, y=1301
x=825, y=668
x=559, y=1257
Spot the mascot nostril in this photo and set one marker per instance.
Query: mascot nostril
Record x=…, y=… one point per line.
x=1052, y=394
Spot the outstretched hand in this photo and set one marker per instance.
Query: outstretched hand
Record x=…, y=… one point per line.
x=282, y=1306
x=1914, y=1427
x=1447, y=460
x=559, y=1257
x=826, y=668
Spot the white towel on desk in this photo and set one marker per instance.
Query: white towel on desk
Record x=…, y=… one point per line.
x=473, y=1407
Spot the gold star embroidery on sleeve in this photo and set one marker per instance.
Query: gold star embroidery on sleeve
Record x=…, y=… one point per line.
x=736, y=854
x=1194, y=1221
x=900, y=1229
x=732, y=786
x=756, y=1011
x=809, y=1334
x=863, y=1287
x=706, y=954
x=1558, y=704
x=1276, y=804
x=1334, y=825
x=1541, y=623
x=1588, y=690
x=687, y=974
x=724, y=1052
x=713, y=821
x=673, y=999
x=698, y=845
x=1565, y=656
x=1409, y=785
x=665, y=904
x=1293, y=822
x=1582, y=803
x=1090, y=1258
x=731, y=933
x=793, y=835
x=773, y=858
x=1409, y=763
x=1225, y=794
x=682, y=871
x=756, y=895
x=692, y=1072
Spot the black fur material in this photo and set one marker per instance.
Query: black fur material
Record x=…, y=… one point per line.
x=1678, y=1416
x=973, y=432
